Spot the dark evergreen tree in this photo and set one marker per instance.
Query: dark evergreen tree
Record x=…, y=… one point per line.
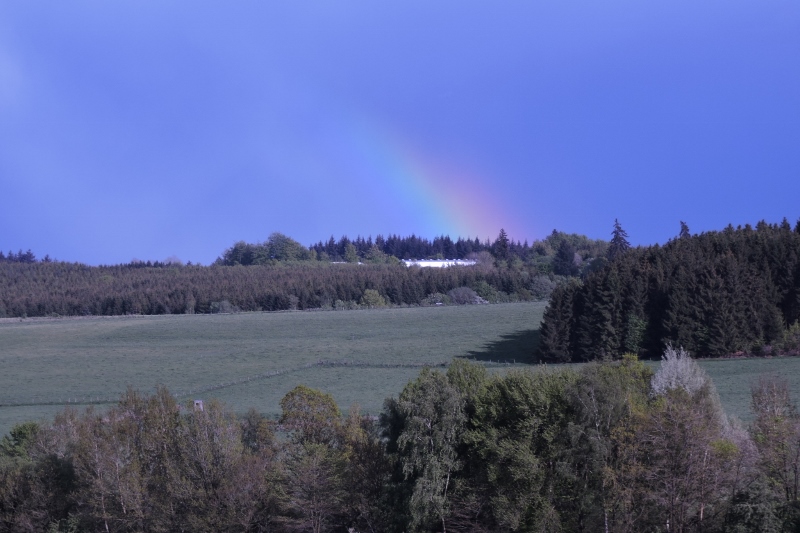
x=619, y=242
x=684, y=234
x=715, y=294
x=564, y=261
x=500, y=247
x=554, y=340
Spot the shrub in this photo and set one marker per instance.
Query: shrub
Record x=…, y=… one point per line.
x=465, y=296
x=678, y=370
x=542, y=286
x=372, y=298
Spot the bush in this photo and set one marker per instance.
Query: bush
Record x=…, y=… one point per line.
x=485, y=291
x=373, y=298
x=678, y=371
x=340, y=305
x=465, y=296
x=542, y=286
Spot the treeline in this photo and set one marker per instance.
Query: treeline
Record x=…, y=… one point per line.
x=21, y=257
x=559, y=253
x=607, y=447
x=281, y=274
x=415, y=247
x=50, y=289
x=730, y=292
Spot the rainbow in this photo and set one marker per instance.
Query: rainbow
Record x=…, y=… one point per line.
x=442, y=198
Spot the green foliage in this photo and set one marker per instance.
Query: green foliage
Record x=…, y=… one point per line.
x=557, y=324
x=500, y=248
x=311, y=415
x=350, y=253
x=603, y=400
x=619, y=242
x=485, y=291
x=634, y=333
x=789, y=341
x=377, y=256
x=468, y=378
x=283, y=248
x=281, y=274
x=372, y=299
x=433, y=417
x=684, y=233
x=564, y=263
x=19, y=441
x=314, y=489
x=586, y=449
x=512, y=438
x=278, y=247
x=257, y=432
x=42, y=289
x=464, y=296
x=716, y=294
x=587, y=248
x=541, y=287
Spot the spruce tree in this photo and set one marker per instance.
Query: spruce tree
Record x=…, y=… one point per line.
x=556, y=326
x=501, y=246
x=619, y=242
x=684, y=234
x=564, y=261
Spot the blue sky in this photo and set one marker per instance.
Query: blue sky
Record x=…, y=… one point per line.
x=146, y=130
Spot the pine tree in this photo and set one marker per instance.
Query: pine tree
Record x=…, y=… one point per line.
x=619, y=242
x=564, y=261
x=501, y=246
x=556, y=325
x=684, y=234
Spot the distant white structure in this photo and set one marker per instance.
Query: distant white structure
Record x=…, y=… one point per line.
x=438, y=263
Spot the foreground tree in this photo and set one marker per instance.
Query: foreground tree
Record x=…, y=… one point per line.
x=776, y=432
x=681, y=459
x=433, y=413
x=605, y=399
x=367, y=474
x=513, y=444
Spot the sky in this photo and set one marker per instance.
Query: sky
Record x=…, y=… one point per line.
x=148, y=130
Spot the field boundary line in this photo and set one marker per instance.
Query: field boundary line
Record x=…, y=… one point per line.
x=322, y=363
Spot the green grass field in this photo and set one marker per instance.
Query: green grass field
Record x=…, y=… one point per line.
x=49, y=363
x=253, y=359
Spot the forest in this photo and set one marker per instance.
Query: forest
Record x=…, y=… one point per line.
x=281, y=274
x=722, y=293
x=609, y=446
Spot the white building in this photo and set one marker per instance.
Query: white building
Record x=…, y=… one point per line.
x=438, y=263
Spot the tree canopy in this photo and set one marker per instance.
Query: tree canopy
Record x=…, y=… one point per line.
x=735, y=291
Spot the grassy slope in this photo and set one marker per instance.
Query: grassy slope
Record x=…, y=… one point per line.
x=45, y=363
x=53, y=361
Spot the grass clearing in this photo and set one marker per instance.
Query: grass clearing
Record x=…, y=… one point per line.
x=254, y=359
x=48, y=363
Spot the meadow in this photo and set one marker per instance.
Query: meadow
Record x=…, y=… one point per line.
x=247, y=359
x=252, y=359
